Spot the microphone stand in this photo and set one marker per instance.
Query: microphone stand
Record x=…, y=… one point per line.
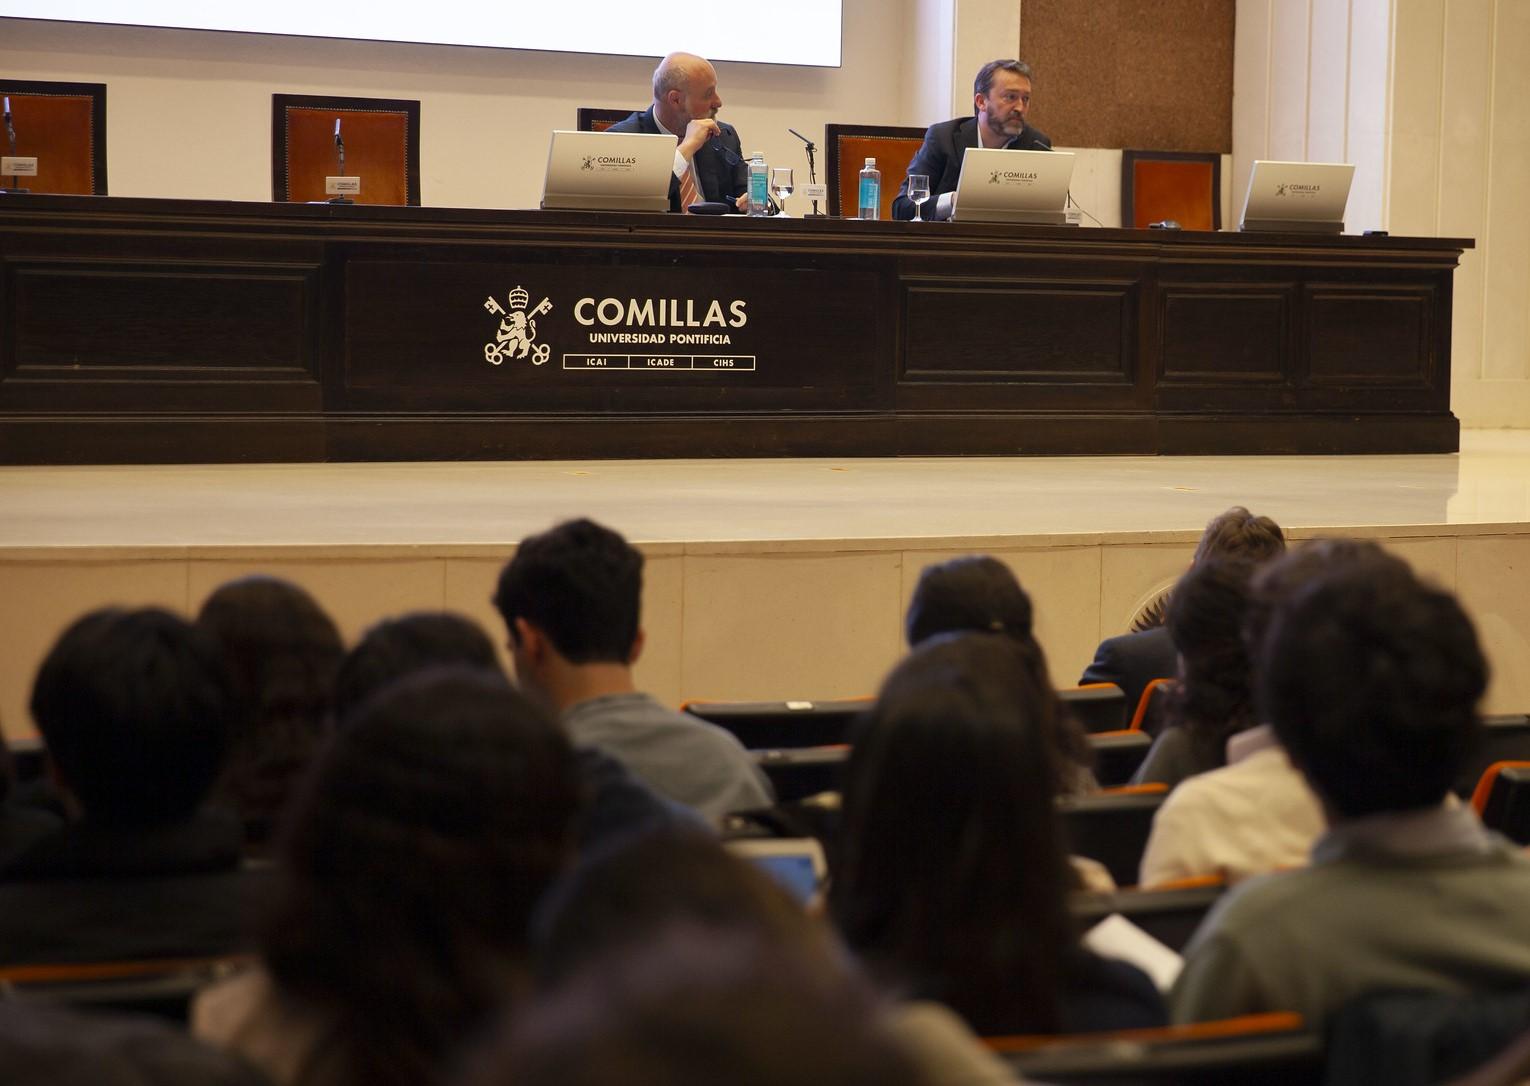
x=10, y=133
x=812, y=170
x=340, y=149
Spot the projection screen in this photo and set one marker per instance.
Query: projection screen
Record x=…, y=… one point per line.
x=805, y=32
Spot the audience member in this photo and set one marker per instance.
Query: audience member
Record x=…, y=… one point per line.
x=950, y=878
x=696, y=1007
x=397, y=647
x=21, y=822
x=978, y=593
x=1213, y=700
x=415, y=855
x=1371, y=681
x=615, y=803
x=1133, y=660
x=1256, y=814
x=54, y=1046
x=570, y=598
x=622, y=903
x=136, y=710
x=282, y=651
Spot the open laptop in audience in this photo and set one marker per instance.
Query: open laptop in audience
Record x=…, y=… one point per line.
x=997, y=185
x=608, y=171
x=1303, y=196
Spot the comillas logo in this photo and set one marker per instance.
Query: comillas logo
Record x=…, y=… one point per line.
x=1011, y=177
x=516, y=337
x=661, y=313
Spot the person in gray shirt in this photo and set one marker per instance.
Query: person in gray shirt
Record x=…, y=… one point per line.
x=1371, y=680
x=571, y=599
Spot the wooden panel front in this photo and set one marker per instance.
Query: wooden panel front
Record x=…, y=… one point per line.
x=147, y=330
x=1023, y=333
x=1233, y=334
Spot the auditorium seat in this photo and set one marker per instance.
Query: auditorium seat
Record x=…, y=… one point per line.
x=1254, y=1050
x=799, y=772
x=1506, y=738
x=598, y=118
x=850, y=145
x=1185, y=186
x=1502, y=798
x=163, y=988
x=1112, y=827
x=1169, y=913
x=1149, y=714
x=773, y=725
x=1098, y=707
x=1118, y=754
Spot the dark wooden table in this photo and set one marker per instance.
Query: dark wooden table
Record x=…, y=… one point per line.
x=136, y=331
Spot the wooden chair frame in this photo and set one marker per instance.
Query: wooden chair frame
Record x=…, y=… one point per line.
x=280, y=103
x=1129, y=159
x=96, y=92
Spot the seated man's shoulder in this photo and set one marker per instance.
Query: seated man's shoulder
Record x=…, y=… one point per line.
x=633, y=122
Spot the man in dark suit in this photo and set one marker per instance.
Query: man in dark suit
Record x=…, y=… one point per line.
x=1001, y=99
x=709, y=163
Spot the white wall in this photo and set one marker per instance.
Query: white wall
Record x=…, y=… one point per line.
x=1459, y=159
x=190, y=111
x=1430, y=99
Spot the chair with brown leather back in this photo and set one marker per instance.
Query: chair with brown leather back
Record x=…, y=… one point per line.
x=850, y=145
x=63, y=126
x=598, y=118
x=382, y=147
x=1184, y=186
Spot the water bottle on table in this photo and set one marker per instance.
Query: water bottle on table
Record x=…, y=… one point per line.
x=871, y=191
x=759, y=185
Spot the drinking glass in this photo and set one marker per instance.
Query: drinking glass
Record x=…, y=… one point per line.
x=919, y=192
x=781, y=185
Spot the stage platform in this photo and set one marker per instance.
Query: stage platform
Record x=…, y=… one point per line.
x=766, y=578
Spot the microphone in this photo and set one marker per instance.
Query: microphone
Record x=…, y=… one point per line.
x=340, y=150
x=812, y=170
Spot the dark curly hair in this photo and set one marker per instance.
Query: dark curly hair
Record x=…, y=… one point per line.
x=282, y=651
x=1372, y=679
x=1215, y=697
x=416, y=854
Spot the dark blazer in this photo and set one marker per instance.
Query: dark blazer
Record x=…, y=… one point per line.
x=940, y=157
x=719, y=176
x=1133, y=660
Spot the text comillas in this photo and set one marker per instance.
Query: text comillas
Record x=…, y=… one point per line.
x=633, y=315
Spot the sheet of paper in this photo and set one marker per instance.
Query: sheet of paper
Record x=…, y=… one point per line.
x=1118, y=937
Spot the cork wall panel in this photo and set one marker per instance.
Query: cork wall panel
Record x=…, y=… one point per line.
x=1146, y=74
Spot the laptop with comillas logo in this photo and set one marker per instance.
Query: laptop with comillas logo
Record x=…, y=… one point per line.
x=1013, y=186
x=1307, y=197
x=609, y=171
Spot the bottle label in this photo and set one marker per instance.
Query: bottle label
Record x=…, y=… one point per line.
x=871, y=194
x=758, y=187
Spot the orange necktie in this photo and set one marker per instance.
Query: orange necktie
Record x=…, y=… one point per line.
x=690, y=193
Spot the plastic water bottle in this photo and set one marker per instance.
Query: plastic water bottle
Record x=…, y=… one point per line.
x=871, y=191
x=759, y=185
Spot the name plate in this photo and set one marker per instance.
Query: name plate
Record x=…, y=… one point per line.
x=816, y=192
x=19, y=165
x=342, y=186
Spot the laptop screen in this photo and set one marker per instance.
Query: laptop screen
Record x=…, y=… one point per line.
x=1013, y=186
x=610, y=171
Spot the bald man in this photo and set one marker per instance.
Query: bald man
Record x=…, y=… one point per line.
x=685, y=105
